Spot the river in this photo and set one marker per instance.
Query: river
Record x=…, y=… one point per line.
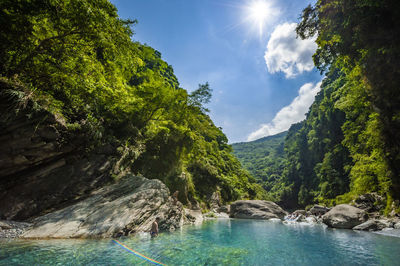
x=216, y=242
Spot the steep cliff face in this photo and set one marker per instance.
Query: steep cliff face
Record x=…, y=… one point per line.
x=43, y=166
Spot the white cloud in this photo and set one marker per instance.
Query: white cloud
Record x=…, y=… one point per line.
x=287, y=53
x=288, y=115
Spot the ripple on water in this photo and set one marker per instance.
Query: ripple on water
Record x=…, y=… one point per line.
x=219, y=242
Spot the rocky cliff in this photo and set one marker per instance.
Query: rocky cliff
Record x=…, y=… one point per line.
x=44, y=165
x=129, y=206
x=57, y=177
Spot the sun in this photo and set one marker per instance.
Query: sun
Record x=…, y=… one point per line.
x=259, y=12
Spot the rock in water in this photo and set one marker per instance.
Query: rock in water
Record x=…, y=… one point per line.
x=129, y=206
x=256, y=209
x=397, y=226
x=194, y=216
x=373, y=225
x=344, y=216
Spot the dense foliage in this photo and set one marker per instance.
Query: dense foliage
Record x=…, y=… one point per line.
x=317, y=162
x=77, y=60
x=361, y=39
x=349, y=143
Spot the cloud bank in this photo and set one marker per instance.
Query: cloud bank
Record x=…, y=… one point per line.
x=287, y=53
x=288, y=115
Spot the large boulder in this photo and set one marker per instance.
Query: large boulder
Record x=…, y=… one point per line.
x=344, y=216
x=129, y=206
x=373, y=225
x=256, y=209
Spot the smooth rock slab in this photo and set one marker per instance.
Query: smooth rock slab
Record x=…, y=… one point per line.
x=344, y=216
x=256, y=209
x=129, y=206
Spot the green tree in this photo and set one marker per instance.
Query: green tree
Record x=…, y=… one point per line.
x=362, y=38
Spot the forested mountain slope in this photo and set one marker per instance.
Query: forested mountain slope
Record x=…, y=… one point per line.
x=264, y=159
x=76, y=61
x=358, y=49
x=349, y=143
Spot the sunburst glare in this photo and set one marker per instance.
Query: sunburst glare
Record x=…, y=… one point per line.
x=259, y=13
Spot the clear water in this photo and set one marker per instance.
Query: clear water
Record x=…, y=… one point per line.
x=222, y=242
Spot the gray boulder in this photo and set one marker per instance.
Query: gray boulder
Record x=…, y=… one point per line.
x=396, y=226
x=256, y=209
x=298, y=212
x=193, y=216
x=224, y=208
x=129, y=206
x=373, y=225
x=215, y=201
x=318, y=210
x=344, y=216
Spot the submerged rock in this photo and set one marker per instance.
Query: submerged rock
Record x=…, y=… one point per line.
x=129, y=206
x=256, y=209
x=344, y=216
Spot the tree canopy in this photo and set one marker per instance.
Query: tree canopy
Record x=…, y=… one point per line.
x=78, y=60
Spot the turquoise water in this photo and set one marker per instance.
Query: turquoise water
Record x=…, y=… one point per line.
x=222, y=242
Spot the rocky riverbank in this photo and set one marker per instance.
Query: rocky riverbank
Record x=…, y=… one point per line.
x=129, y=206
x=133, y=203
x=364, y=213
x=126, y=207
x=11, y=229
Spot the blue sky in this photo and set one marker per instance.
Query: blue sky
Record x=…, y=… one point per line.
x=262, y=77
